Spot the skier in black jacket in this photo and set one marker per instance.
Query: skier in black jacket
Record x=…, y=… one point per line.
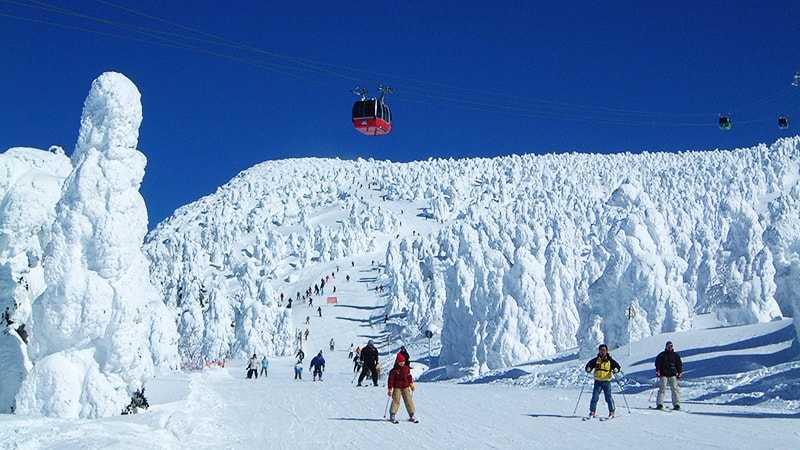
x=369, y=357
x=318, y=366
x=669, y=369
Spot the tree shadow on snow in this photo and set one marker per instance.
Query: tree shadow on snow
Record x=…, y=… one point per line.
x=511, y=374
x=366, y=308
x=727, y=364
x=752, y=415
x=556, y=416
x=357, y=419
x=785, y=334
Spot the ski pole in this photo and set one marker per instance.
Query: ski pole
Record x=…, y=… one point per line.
x=650, y=397
x=622, y=391
x=579, y=399
x=386, y=410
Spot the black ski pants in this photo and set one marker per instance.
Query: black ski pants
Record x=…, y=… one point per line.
x=369, y=369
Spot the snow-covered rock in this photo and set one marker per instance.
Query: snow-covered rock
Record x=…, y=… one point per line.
x=97, y=333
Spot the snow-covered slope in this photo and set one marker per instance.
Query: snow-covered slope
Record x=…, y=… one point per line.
x=505, y=259
x=224, y=261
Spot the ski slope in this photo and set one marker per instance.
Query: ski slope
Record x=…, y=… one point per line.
x=220, y=408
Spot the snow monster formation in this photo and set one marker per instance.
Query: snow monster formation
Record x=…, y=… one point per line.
x=30, y=186
x=99, y=330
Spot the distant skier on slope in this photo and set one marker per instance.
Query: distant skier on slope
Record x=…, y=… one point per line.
x=319, y=310
x=252, y=367
x=300, y=355
x=369, y=358
x=332, y=344
x=298, y=371
x=264, y=366
x=669, y=369
x=350, y=352
x=357, y=364
x=604, y=366
x=318, y=366
x=401, y=384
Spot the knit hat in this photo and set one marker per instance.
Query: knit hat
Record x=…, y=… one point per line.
x=400, y=358
x=668, y=344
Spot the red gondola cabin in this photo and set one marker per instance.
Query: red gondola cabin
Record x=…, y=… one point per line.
x=372, y=117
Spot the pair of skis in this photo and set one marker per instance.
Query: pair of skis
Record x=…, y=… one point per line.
x=395, y=421
x=601, y=419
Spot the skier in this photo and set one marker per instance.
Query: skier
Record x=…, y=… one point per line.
x=308, y=320
x=298, y=371
x=306, y=333
x=347, y=278
x=669, y=369
x=401, y=384
x=7, y=317
x=350, y=352
x=264, y=366
x=300, y=355
x=604, y=366
x=332, y=344
x=369, y=358
x=252, y=367
x=319, y=310
x=318, y=366
x=356, y=364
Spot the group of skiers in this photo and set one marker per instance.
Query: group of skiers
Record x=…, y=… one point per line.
x=669, y=369
x=253, y=365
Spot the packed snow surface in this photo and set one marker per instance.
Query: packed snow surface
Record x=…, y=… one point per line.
x=220, y=408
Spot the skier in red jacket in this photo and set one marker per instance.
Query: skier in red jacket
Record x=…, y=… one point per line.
x=401, y=384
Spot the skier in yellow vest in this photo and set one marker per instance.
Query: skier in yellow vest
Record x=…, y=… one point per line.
x=604, y=367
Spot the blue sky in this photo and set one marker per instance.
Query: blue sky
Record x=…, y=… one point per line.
x=472, y=79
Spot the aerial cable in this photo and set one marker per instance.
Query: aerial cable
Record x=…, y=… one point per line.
x=473, y=104
x=580, y=107
x=146, y=31
x=158, y=41
x=547, y=109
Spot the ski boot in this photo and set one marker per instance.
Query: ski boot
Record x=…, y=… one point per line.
x=393, y=419
x=412, y=419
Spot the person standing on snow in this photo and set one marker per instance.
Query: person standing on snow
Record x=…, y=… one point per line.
x=369, y=358
x=252, y=367
x=350, y=352
x=264, y=366
x=669, y=369
x=319, y=310
x=298, y=371
x=356, y=363
x=318, y=366
x=332, y=344
x=401, y=385
x=604, y=366
x=300, y=356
